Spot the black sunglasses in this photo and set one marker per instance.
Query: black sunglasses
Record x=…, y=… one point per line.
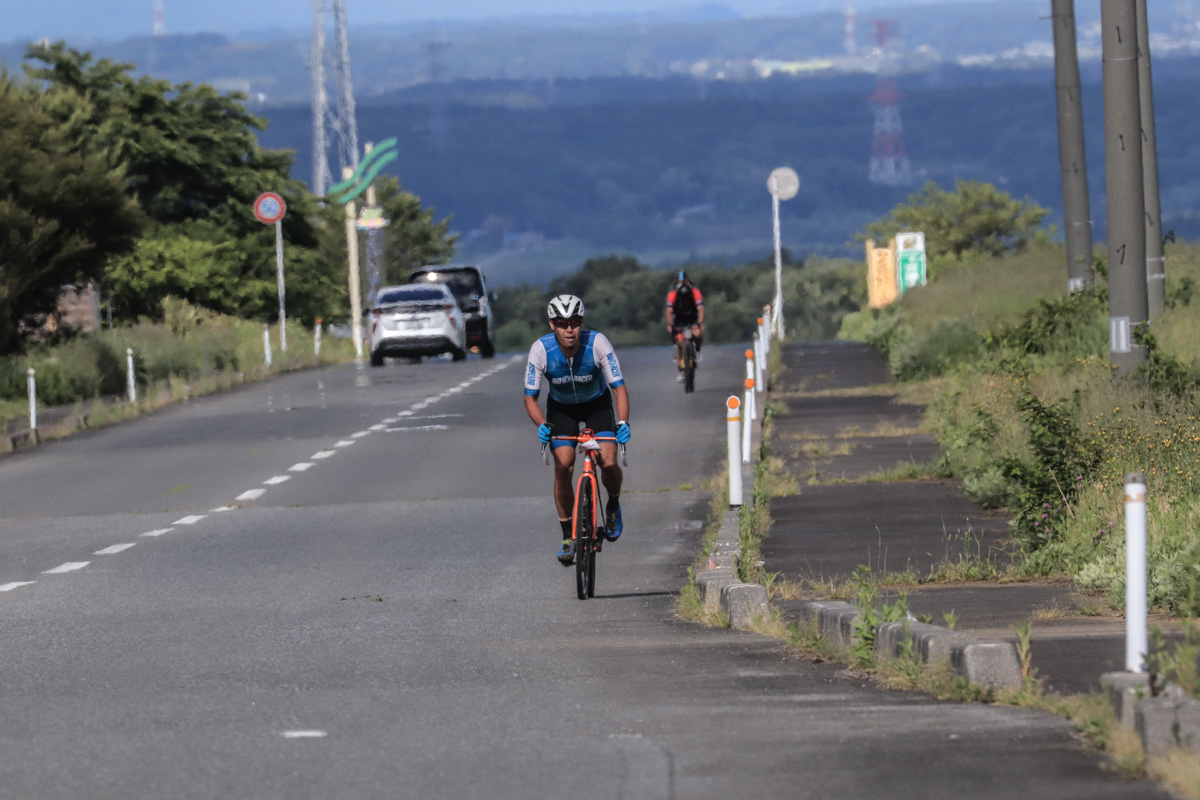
x=573, y=322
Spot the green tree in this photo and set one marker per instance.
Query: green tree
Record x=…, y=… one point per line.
x=412, y=237
x=63, y=209
x=975, y=220
x=192, y=160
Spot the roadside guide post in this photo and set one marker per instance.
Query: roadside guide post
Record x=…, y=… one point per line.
x=267, y=344
x=751, y=406
x=733, y=420
x=354, y=183
x=746, y=422
x=783, y=184
x=131, y=386
x=32, y=400
x=269, y=209
x=1137, y=641
x=317, y=337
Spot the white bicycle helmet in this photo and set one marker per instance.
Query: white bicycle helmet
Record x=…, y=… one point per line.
x=565, y=306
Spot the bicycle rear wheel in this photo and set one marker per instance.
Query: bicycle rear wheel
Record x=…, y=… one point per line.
x=689, y=366
x=585, y=532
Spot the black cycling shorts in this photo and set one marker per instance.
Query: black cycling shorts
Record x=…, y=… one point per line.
x=567, y=419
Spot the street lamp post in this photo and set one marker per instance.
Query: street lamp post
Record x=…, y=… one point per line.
x=783, y=184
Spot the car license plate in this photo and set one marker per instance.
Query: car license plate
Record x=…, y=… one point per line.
x=412, y=324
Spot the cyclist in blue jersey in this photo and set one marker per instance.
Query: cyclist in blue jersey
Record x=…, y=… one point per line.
x=584, y=378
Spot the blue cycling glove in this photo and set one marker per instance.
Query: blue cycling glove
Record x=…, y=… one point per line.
x=623, y=432
x=544, y=433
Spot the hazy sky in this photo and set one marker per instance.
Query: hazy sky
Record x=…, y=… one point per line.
x=118, y=19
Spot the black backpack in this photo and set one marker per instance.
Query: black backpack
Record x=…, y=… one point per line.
x=685, y=302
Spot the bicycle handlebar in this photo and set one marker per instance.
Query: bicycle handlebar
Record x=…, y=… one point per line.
x=620, y=447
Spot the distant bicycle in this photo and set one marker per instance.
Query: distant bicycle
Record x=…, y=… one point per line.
x=687, y=358
x=587, y=523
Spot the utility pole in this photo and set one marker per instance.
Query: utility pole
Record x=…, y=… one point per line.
x=1072, y=154
x=1156, y=278
x=1127, y=294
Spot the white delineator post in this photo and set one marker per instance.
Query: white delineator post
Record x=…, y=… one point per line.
x=317, y=337
x=267, y=343
x=32, y=399
x=734, y=421
x=747, y=415
x=1137, y=641
x=130, y=384
x=751, y=382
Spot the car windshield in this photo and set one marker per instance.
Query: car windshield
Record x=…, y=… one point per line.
x=411, y=294
x=464, y=284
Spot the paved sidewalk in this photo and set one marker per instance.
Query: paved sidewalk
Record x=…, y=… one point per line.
x=831, y=526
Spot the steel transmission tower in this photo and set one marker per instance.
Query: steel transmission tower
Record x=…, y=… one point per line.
x=851, y=44
x=160, y=20
x=344, y=123
x=889, y=159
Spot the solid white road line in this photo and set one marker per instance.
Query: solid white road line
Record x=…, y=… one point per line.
x=278, y=479
x=420, y=428
x=158, y=532
x=70, y=566
x=251, y=494
x=8, y=587
x=303, y=466
x=192, y=520
x=116, y=548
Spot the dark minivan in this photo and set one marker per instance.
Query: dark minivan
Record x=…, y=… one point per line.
x=469, y=288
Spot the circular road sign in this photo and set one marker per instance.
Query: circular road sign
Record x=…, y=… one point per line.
x=783, y=181
x=269, y=208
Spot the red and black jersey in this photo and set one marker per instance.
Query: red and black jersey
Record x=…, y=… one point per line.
x=686, y=301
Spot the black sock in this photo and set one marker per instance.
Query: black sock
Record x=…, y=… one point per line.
x=566, y=528
x=614, y=501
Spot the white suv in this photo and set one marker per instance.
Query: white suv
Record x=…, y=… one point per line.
x=470, y=290
x=416, y=320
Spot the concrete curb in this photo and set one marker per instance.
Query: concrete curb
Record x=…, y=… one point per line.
x=1163, y=723
x=986, y=663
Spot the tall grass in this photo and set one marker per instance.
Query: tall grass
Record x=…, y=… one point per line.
x=191, y=345
x=1024, y=400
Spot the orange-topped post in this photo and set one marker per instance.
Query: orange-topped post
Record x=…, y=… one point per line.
x=733, y=419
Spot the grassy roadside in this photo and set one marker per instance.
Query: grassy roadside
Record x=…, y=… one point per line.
x=1091, y=715
x=81, y=382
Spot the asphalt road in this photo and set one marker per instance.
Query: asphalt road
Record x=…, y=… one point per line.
x=342, y=584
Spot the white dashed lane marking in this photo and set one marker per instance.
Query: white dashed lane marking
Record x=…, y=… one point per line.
x=116, y=548
x=70, y=566
x=313, y=734
x=254, y=494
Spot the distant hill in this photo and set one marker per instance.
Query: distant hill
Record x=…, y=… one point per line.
x=675, y=167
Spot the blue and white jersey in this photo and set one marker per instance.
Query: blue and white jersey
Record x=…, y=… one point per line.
x=573, y=380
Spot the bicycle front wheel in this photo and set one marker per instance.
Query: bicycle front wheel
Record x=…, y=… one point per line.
x=689, y=366
x=585, y=536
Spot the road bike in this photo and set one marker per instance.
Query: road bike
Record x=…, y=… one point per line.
x=587, y=521
x=687, y=357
